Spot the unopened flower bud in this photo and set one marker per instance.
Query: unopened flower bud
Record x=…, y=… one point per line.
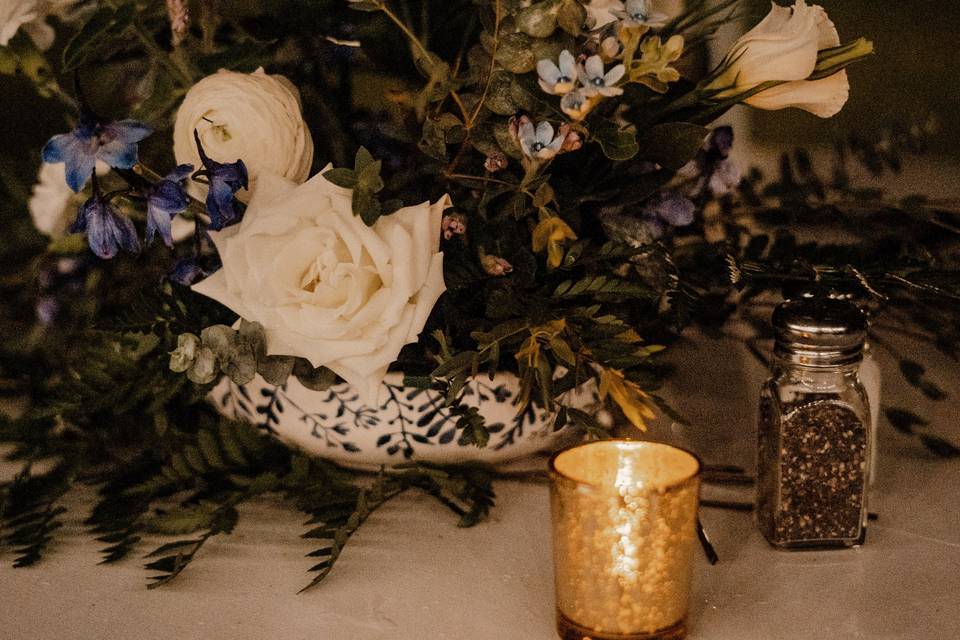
x=571, y=139
x=495, y=162
x=453, y=225
x=178, y=11
x=495, y=265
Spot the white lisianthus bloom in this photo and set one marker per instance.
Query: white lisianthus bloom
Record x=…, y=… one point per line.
x=53, y=204
x=252, y=117
x=31, y=16
x=325, y=286
x=783, y=48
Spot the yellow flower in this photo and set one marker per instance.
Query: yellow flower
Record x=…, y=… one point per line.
x=551, y=233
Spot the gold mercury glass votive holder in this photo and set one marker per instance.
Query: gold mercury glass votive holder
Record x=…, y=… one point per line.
x=624, y=518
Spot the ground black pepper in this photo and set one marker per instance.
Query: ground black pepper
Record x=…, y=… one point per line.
x=822, y=467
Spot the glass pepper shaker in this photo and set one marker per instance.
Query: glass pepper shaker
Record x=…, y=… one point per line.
x=814, y=429
x=870, y=374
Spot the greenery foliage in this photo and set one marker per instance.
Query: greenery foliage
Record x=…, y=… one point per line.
x=590, y=293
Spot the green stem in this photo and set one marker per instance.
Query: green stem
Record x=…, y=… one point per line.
x=157, y=52
x=414, y=40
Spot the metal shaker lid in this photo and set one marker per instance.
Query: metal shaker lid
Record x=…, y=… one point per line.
x=819, y=331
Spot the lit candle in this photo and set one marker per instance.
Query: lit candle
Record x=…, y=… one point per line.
x=624, y=534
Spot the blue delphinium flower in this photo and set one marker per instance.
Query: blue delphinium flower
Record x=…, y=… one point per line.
x=107, y=230
x=185, y=272
x=225, y=179
x=165, y=200
x=113, y=142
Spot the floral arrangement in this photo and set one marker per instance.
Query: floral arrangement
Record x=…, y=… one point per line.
x=532, y=187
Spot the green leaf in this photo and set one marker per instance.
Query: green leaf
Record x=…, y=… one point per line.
x=571, y=17
x=562, y=350
x=341, y=177
x=672, y=144
x=514, y=53
x=182, y=520
x=603, y=285
x=639, y=188
x=366, y=205
x=318, y=379
x=498, y=94
x=105, y=24
x=539, y=20
x=362, y=160
x=617, y=143
x=390, y=206
x=368, y=177
x=527, y=94
x=276, y=369
x=433, y=140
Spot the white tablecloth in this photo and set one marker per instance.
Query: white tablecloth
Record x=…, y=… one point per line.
x=409, y=573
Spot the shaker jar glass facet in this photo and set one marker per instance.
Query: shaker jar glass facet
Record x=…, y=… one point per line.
x=814, y=436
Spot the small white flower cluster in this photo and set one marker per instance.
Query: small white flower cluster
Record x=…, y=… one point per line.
x=581, y=85
x=540, y=142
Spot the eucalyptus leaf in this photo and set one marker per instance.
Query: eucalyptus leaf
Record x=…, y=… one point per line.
x=539, y=20
x=433, y=140
x=276, y=369
x=316, y=379
x=514, y=53
x=499, y=99
x=368, y=177
x=571, y=17
x=366, y=205
x=617, y=143
x=341, y=177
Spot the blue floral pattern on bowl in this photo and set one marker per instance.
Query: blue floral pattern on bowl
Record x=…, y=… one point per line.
x=407, y=423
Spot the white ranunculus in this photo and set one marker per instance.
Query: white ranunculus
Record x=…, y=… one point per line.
x=325, y=286
x=31, y=16
x=253, y=117
x=783, y=48
x=53, y=204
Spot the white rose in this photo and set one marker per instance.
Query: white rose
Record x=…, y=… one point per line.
x=31, y=15
x=325, y=286
x=53, y=205
x=783, y=48
x=253, y=117
x=13, y=15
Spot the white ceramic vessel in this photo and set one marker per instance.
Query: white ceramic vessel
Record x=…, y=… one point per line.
x=408, y=424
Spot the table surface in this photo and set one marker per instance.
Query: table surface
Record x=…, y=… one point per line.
x=410, y=573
